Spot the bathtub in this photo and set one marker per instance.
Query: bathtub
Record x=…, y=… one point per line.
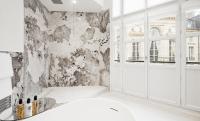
x=68, y=94
x=90, y=109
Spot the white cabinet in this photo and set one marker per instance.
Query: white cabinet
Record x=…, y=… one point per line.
x=11, y=25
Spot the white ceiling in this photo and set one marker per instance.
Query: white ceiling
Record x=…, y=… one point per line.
x=80, y=6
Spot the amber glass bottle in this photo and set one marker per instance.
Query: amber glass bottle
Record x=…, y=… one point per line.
x=20, y=110
x=35, y=106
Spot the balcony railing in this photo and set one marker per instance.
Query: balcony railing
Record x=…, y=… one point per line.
x=192, y=60
x=154, y=59
x=135, y=59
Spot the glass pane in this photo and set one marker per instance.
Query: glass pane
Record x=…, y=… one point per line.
x=135, y=52
x=162, y=51
x=117, y=34
x=193, y=50
x=117, y=38
x=157, y=2
x=135, y=31
x=116, y=53
x=165, y=26
x=193, y=20
x=133, y=5
x=116, y=8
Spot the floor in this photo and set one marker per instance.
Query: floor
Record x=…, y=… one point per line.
x=143, y=110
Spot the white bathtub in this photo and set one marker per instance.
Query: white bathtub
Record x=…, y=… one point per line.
x=68, y=94
x=91, y=109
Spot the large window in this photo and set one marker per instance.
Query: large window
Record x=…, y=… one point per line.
x=162, y=32
x=161, y=26
x=193, y=36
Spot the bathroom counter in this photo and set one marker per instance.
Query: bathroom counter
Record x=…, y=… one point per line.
x=44, y=105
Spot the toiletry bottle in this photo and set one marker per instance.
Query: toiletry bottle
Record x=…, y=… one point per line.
x=28, y=108
x=35, y=106
x=20, y=110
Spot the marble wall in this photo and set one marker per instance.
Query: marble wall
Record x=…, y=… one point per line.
x=61, y=49
x=35, y=47
x=79, y=49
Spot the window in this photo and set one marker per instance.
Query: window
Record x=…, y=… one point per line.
x=162, y=33
x=193, y=50
x=193, y=20
x=135, y=42
x=117, y=38
x=135, y=52
x=165, y=26
x=133, y=5
x=116, y=8
x=162, y=51
x=153, y=52
x=157, y=2
x=135, y=31
x=116, y=53
x=193, y=36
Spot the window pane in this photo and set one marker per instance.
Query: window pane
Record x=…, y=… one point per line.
x=133, y=5
x=117, y=38
x=116, y=8
x=116, y=53
x=117, y=35
x=135, y=31
x=193, y=50
x=157, y=2
x=193, y=20
x=135, y=52
x=165, y=26
x=162, y=51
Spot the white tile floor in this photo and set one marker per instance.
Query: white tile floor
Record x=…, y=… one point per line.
x=150, y=111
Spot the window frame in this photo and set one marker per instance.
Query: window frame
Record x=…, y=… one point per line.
x=187, y=34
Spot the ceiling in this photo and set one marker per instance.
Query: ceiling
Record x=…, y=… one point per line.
x=80, y=6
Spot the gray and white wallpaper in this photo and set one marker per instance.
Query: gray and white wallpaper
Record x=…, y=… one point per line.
x=61, y=49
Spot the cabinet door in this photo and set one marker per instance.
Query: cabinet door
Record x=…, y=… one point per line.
x=11, y=25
